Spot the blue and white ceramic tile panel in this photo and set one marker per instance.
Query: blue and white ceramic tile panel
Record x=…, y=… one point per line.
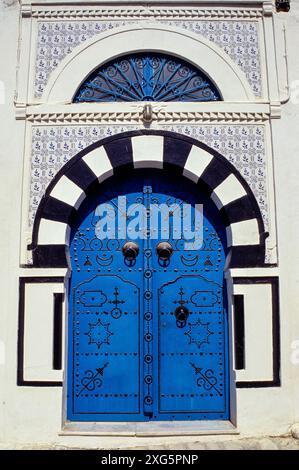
x=239, y=39
x=242, y=145
x=55, y=40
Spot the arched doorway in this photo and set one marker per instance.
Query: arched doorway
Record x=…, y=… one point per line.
x=148, y=329
x=112, y=163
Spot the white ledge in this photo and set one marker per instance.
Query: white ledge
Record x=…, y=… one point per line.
x=80, y=113
x=147, y=429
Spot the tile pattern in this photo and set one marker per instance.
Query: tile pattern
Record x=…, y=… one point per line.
x=239, y=39
x=57, y=39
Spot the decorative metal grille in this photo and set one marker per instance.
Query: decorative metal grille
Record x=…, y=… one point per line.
x=147, y=77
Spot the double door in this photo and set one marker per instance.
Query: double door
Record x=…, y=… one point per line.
x=147, y=329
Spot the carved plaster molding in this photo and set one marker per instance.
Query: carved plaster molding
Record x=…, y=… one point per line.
x=148, y=13
x=161, y=116
x=165, y=116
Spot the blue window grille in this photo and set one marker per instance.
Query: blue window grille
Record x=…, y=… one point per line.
x=147, y=77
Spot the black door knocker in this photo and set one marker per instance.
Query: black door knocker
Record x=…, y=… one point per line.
x=130, y=251
x=164, y=251
x=181, y=315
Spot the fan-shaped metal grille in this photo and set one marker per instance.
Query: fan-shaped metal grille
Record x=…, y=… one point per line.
x=147, y=77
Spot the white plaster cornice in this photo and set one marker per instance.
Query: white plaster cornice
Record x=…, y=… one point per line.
x=110, y=113
x=161, y=117
x=151, y=12
x=168, y=9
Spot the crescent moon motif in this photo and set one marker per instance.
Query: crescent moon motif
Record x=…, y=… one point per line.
x=187, y=261
x=103, y=260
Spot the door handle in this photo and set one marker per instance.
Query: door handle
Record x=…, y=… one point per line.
x=130, y=250
x=181, y=314
x=164, y=250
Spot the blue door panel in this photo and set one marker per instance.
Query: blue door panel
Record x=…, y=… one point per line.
x=130, y=359
x=105, y=359
x=192, y=357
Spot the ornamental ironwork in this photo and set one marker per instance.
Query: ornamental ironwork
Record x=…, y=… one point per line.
x=147, y=77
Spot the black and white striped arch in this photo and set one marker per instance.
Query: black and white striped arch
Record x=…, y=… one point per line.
x=155, y=149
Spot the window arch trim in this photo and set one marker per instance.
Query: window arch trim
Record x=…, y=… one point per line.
x=200, y=52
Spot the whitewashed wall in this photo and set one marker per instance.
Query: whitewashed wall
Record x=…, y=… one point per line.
x=34, y=414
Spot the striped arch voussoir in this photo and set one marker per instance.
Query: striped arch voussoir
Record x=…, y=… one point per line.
x=149, y=149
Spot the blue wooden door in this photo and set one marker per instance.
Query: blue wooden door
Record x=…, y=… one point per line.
x=147, y=337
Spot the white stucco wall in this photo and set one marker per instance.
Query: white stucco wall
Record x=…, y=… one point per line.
x=12, y=135
x=286, y=150
x=34, y=414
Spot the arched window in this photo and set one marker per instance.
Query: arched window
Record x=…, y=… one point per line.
x=147, y=77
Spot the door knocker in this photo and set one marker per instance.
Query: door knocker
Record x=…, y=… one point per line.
x=130, y=251
x=181, y=315
x=164, y=251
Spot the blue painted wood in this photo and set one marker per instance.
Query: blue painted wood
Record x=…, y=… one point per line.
x=130, y=359
x=147, y=77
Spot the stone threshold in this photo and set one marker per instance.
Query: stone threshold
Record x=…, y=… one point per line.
x=142, y=429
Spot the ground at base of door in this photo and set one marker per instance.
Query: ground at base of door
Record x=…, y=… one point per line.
x=198, y=443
